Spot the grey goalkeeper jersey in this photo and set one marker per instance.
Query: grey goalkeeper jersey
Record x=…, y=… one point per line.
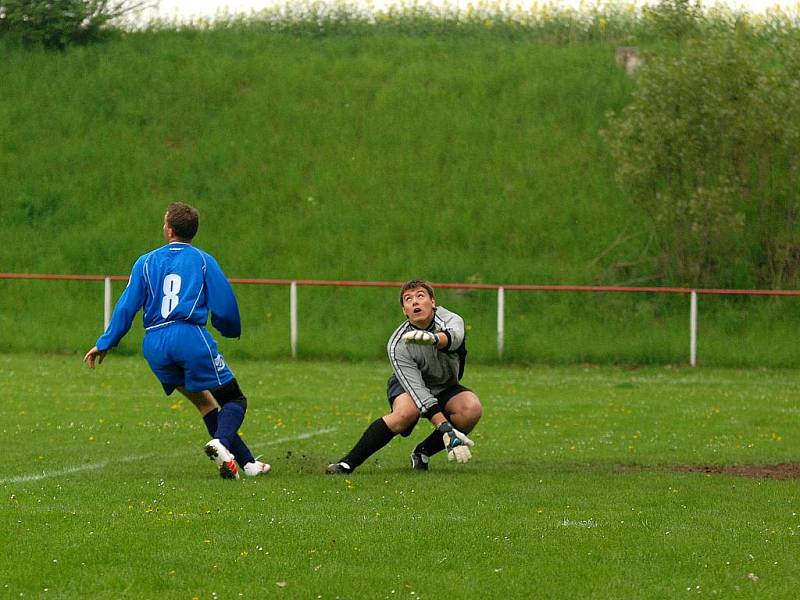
x=424, y=371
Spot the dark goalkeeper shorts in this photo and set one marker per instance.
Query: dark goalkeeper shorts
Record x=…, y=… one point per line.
x=394, y=389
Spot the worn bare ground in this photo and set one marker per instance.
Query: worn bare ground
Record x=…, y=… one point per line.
x=779, y=471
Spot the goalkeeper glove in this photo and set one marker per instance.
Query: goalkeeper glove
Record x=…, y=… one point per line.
x=421, y=337
x=456, y=443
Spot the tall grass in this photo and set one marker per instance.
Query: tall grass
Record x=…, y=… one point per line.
x=599, y=21
x=306, y=152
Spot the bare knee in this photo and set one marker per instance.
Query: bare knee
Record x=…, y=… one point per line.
x=464, y=411
x=473, y=411
x=404, y=414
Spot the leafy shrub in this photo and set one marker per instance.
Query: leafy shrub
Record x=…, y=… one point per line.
x=707, y=148
x=57, y=23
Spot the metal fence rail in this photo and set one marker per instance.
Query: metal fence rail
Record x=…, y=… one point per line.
x=293, y=284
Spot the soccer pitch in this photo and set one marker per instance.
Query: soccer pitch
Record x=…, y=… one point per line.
x=572, y=492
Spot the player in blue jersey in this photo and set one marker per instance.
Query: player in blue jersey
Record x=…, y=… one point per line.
x=177, y=286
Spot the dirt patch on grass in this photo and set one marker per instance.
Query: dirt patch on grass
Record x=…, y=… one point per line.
x=781, y=471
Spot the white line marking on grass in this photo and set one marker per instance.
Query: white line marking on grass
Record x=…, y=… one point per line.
x=76, y=469
x=296, y=438
x=103, y=464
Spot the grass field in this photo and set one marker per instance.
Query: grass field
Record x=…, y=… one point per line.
x=106, y=492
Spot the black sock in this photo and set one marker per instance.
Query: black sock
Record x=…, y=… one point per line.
x=431, y=444
x=376, y=436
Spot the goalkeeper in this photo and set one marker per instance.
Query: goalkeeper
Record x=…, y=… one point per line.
x=427, y=354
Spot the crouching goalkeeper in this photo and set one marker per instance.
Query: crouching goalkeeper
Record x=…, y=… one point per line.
x=427, y=354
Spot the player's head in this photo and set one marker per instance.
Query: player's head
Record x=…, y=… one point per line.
x=418, y=302
x=416, y=284
x=181, y=222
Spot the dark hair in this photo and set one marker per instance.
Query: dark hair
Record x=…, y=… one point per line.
x=414, y=284
x=183, y=219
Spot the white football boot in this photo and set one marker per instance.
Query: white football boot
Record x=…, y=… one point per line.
x=256, y=468
x=223, y=459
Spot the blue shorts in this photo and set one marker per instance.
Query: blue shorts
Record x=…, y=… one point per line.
x=185, y=355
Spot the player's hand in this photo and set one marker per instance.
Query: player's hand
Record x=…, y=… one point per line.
x=456, y=443
x=94, y=355
x=421, y=337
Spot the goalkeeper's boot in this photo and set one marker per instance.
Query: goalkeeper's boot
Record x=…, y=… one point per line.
x=223, y=459
x=256, y=468
x=419, y=461
x=339, y=468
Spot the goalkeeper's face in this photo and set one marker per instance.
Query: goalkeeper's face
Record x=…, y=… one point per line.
x=418, y=307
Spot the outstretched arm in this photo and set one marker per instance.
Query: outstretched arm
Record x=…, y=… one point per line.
x=421, y=337
x=125, y=310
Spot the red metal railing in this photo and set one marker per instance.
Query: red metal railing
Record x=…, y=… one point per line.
x=474, y=286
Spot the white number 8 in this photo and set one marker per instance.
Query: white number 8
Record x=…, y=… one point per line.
x=171, y=287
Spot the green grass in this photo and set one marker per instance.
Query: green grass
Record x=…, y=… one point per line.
x=302, y=153
x=105, y=491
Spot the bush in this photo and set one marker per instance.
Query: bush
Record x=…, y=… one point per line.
x=56, y=24
x=707, y=148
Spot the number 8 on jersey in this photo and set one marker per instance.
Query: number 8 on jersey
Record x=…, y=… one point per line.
x=171, y=287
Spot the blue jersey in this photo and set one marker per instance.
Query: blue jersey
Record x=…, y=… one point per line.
x=176, y=282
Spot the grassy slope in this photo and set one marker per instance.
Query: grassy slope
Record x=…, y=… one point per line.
x=378, y=157
x=302, y=152
x=543, y=509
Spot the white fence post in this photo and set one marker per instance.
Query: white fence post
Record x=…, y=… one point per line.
x=106, y=303
x=693, y=328
x=501, y=326
x=293, y=318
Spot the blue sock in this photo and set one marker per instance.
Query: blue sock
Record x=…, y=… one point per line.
x=239, y=449
x=229, y=420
